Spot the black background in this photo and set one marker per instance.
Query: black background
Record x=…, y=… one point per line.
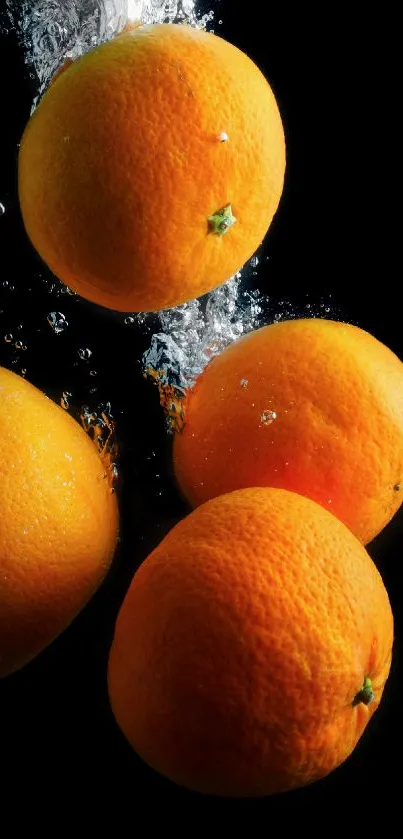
x=334, y=240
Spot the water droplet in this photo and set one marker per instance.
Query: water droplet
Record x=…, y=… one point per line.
x=223, y=137
x=93, y=373
x=19, y=345
x=2, y=209
x=267, y=417
x=5, y=283
x=254, y=262
x=24, y=371
x=8, y=338
x=57, y=321
x=308, y=306
x=85, y=353
x=129, y=319
x=327, y=309
x=244, y=382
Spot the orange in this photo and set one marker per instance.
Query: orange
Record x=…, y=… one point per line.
x=138, y=160
x=310, y=405
x=252, y=647
x=58, y=521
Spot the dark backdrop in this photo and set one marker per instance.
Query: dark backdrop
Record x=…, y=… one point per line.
x=334, y=239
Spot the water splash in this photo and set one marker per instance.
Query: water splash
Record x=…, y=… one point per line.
x=101, y=428
x=168, y=11
x=52, y=32
x=192, y=334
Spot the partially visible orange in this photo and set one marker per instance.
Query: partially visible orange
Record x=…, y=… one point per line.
x=252, y=647
x=130, y=157
x=310, y=405
x=58, y=521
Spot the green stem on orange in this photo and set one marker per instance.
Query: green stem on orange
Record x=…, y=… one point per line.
x=366, y=694
x=221, y=220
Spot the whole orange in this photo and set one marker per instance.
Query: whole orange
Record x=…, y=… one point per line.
x=252, y=647
x=58, y=521
x=310, y=405
x=151, y=169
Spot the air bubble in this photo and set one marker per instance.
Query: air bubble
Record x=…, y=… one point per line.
x=267, y=417
x=85, y=353
x=57, y=321
x=64, y=401
x=244, y=383
x=2, y=209
x=8, y=338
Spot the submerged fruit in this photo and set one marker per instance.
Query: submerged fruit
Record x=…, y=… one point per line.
x=132, y=155
x=58, y=521
x=252, y=647
x=310, y=405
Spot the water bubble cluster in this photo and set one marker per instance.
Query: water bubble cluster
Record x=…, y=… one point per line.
x=52, y=31
x=168, y=11
x=101, y=428
x=192, y=334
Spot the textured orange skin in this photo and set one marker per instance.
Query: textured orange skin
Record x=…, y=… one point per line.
x=121, y=165
x=338, y=435
x=243, y=641
x=58, y=521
